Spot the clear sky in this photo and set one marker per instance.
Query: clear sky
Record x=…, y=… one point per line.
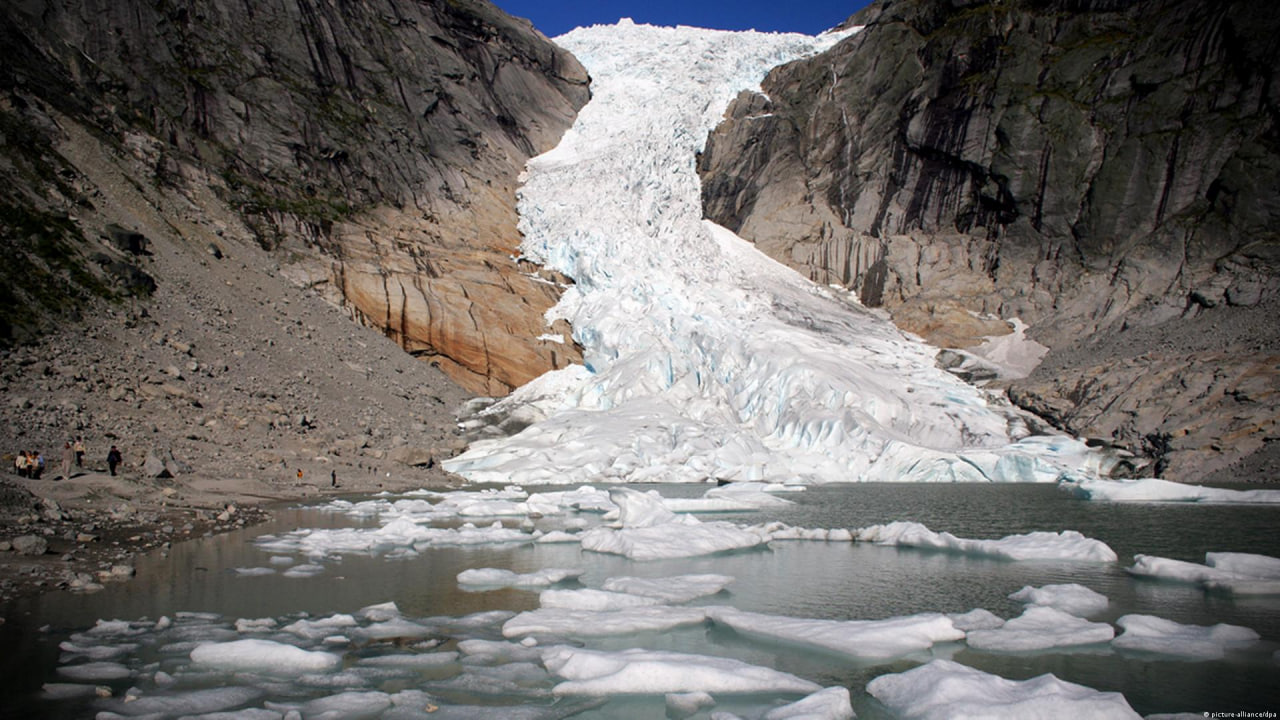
x=556, y=17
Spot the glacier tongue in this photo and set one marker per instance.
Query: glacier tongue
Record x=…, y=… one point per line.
x=703, y=358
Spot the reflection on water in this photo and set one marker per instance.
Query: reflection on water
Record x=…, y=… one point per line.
x=800, y=579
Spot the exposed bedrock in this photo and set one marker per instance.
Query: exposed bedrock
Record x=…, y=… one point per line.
x=375, y=147
x=1106, y=171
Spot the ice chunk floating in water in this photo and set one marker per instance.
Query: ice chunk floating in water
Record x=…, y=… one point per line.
x=702, y=357
x=639, y=671
x=1065, y=545
x=946, y=689
x=1147, y=633
x=1234, y=573
x=1156, y=490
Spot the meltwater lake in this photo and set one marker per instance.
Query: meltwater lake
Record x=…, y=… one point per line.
x=439, y=650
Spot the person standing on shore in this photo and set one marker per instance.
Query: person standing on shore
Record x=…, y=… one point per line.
x=78, y=446
x=114, y=458
x=68, y=455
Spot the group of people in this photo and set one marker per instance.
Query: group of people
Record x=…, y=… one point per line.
x=30, y=464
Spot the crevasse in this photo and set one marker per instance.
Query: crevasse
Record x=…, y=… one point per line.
x=704, y=359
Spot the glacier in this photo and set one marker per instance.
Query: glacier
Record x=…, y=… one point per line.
x=703, y=358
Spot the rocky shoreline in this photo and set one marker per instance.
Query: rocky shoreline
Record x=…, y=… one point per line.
x=79, y=534
x=229, y=386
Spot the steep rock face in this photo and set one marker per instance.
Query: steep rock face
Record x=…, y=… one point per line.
x=1102, y=170
x=364, y=142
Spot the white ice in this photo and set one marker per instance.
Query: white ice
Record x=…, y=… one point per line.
x=976, y=619
x=781, y=531
x=675, y=590
x=1071, y=598
x=594, y=600
x=583, y=623
x=860, y=639
x=317, y=629
x=946, y=690
x=1156, y=490
x=652, y=532
x=100, y=670
x=1065, y=545
x=704, y=359
x=188, y=703
x=398, y=534
x=831, y=703
x=263, y=656
x=486, y=578
x=1151, y=634
x=1234, y=573
x=658, y=672
x=1040, y=627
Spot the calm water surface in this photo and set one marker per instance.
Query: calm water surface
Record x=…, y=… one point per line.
x=802, y=579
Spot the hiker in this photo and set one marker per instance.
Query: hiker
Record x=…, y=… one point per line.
x=114, y=458
x=37, y=466
x=67, y=456
x=299, y=474
x=333, y=478
x=79, y=448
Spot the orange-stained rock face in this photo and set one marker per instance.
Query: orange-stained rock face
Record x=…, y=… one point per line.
x=468, y=307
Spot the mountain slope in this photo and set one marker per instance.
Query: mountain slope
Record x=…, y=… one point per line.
x=1103, y=171
x=374, y=146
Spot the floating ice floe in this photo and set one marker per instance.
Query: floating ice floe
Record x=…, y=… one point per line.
x=674, y=590
x=1233, y=573
x=732, y=497
x=1040, y=627
x=263, y=656
x=656, y=672
x=189, y=703
x=860, y=639
x=683, y=705
x=652, y=532
x=1072, y=598
x=1065, y=545
x=305, y=570
x=781, y=531
x=73, y=650
x=831, y=703
x=1151, y=634
x=317, y=629
x=486, y=578
x=946, y=690
x=99, y=670
x=1156, y=490
x=398, y=534
x=976, y=619
x=497, y=652
x=563, y=622
x=594, y=600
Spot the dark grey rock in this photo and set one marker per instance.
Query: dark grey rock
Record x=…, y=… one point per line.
x=1093, y=168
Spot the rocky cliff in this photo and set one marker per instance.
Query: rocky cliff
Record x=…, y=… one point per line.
x=1104, y=170
x=373, y=147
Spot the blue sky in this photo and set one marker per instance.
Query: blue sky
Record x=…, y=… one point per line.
x=556, y=17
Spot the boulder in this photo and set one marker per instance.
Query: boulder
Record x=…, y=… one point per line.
x=30, y=545
x=154, y=467
x=413, y=456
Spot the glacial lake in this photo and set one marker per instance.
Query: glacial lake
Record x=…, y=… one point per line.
x=197, y=587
